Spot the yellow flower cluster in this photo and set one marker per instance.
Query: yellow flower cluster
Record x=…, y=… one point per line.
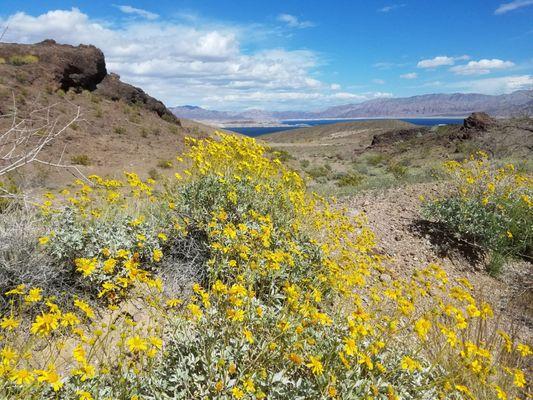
x=292, y=304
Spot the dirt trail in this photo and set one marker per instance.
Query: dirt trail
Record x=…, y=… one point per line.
x=394, y=215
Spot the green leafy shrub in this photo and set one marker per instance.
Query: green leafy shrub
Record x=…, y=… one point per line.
x=489, y=207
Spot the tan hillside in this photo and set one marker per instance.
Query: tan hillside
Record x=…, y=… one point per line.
x=113, y=126
x=380, y=153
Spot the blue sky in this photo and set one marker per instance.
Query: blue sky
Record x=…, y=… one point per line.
x=293, y=54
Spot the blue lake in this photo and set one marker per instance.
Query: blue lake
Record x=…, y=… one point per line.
x=294, y=124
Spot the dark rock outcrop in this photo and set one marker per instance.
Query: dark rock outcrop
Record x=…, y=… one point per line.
x=398, y=135
x=79, y=68
x=113, y=88
x=71, y=67
x=479, y=121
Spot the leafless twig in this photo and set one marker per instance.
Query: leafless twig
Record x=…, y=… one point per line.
x=23, y=142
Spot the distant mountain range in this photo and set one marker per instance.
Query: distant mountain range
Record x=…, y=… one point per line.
x=428, y=105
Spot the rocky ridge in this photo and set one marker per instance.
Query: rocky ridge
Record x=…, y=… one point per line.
x=79, y=68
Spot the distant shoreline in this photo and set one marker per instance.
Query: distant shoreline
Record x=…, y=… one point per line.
x=281, y=124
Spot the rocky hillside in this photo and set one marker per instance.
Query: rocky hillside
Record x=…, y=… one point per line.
x=110, y=126
x=429, y=105
x=345, y=158
x=457, y=104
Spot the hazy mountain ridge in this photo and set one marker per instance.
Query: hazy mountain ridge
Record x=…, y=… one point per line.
x=428, y=105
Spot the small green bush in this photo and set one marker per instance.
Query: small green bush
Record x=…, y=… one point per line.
x=174, y=129
x=304, y=163
x=375, y=159
x=489, y=207
x=399, y=171
x=8, y=187
x=281, y=155
x=350, y=179
x=168, y=118
x=119, y=130
x=23, y=60
x=81, y=159
x=164, y=164
x=321, y=171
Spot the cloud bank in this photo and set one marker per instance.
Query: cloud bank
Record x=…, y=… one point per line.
x=183, y=63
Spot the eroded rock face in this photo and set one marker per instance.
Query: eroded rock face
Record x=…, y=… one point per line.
x=71, y=67
x=479, y=121
x=79, y=68
x=113, y=88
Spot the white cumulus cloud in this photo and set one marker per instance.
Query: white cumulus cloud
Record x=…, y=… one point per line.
x=513, y=5
x=481, y=67
x=185, y=62
x=439, y=61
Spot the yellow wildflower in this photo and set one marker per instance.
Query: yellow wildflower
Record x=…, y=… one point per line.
x=83, y=395
x=237, y=393
x=422, y=327
x=315, y=365
x=86, y=265
x=22, y=377
x=519, y=378
x=44, y=324
x=248, y=336
x=9, y=323
x=137, y=344
x=410, y=364
x=157, y=255
x=51, y=377
x=33, y=296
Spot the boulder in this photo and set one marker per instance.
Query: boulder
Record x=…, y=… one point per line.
x=479, y=121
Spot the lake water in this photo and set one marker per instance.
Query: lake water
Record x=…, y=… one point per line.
x=294, y=124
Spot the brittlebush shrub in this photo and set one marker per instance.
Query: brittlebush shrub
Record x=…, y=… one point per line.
x=488, y=206
x=287, y=303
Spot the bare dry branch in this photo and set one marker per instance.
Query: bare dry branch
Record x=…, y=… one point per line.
x=23, y=142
